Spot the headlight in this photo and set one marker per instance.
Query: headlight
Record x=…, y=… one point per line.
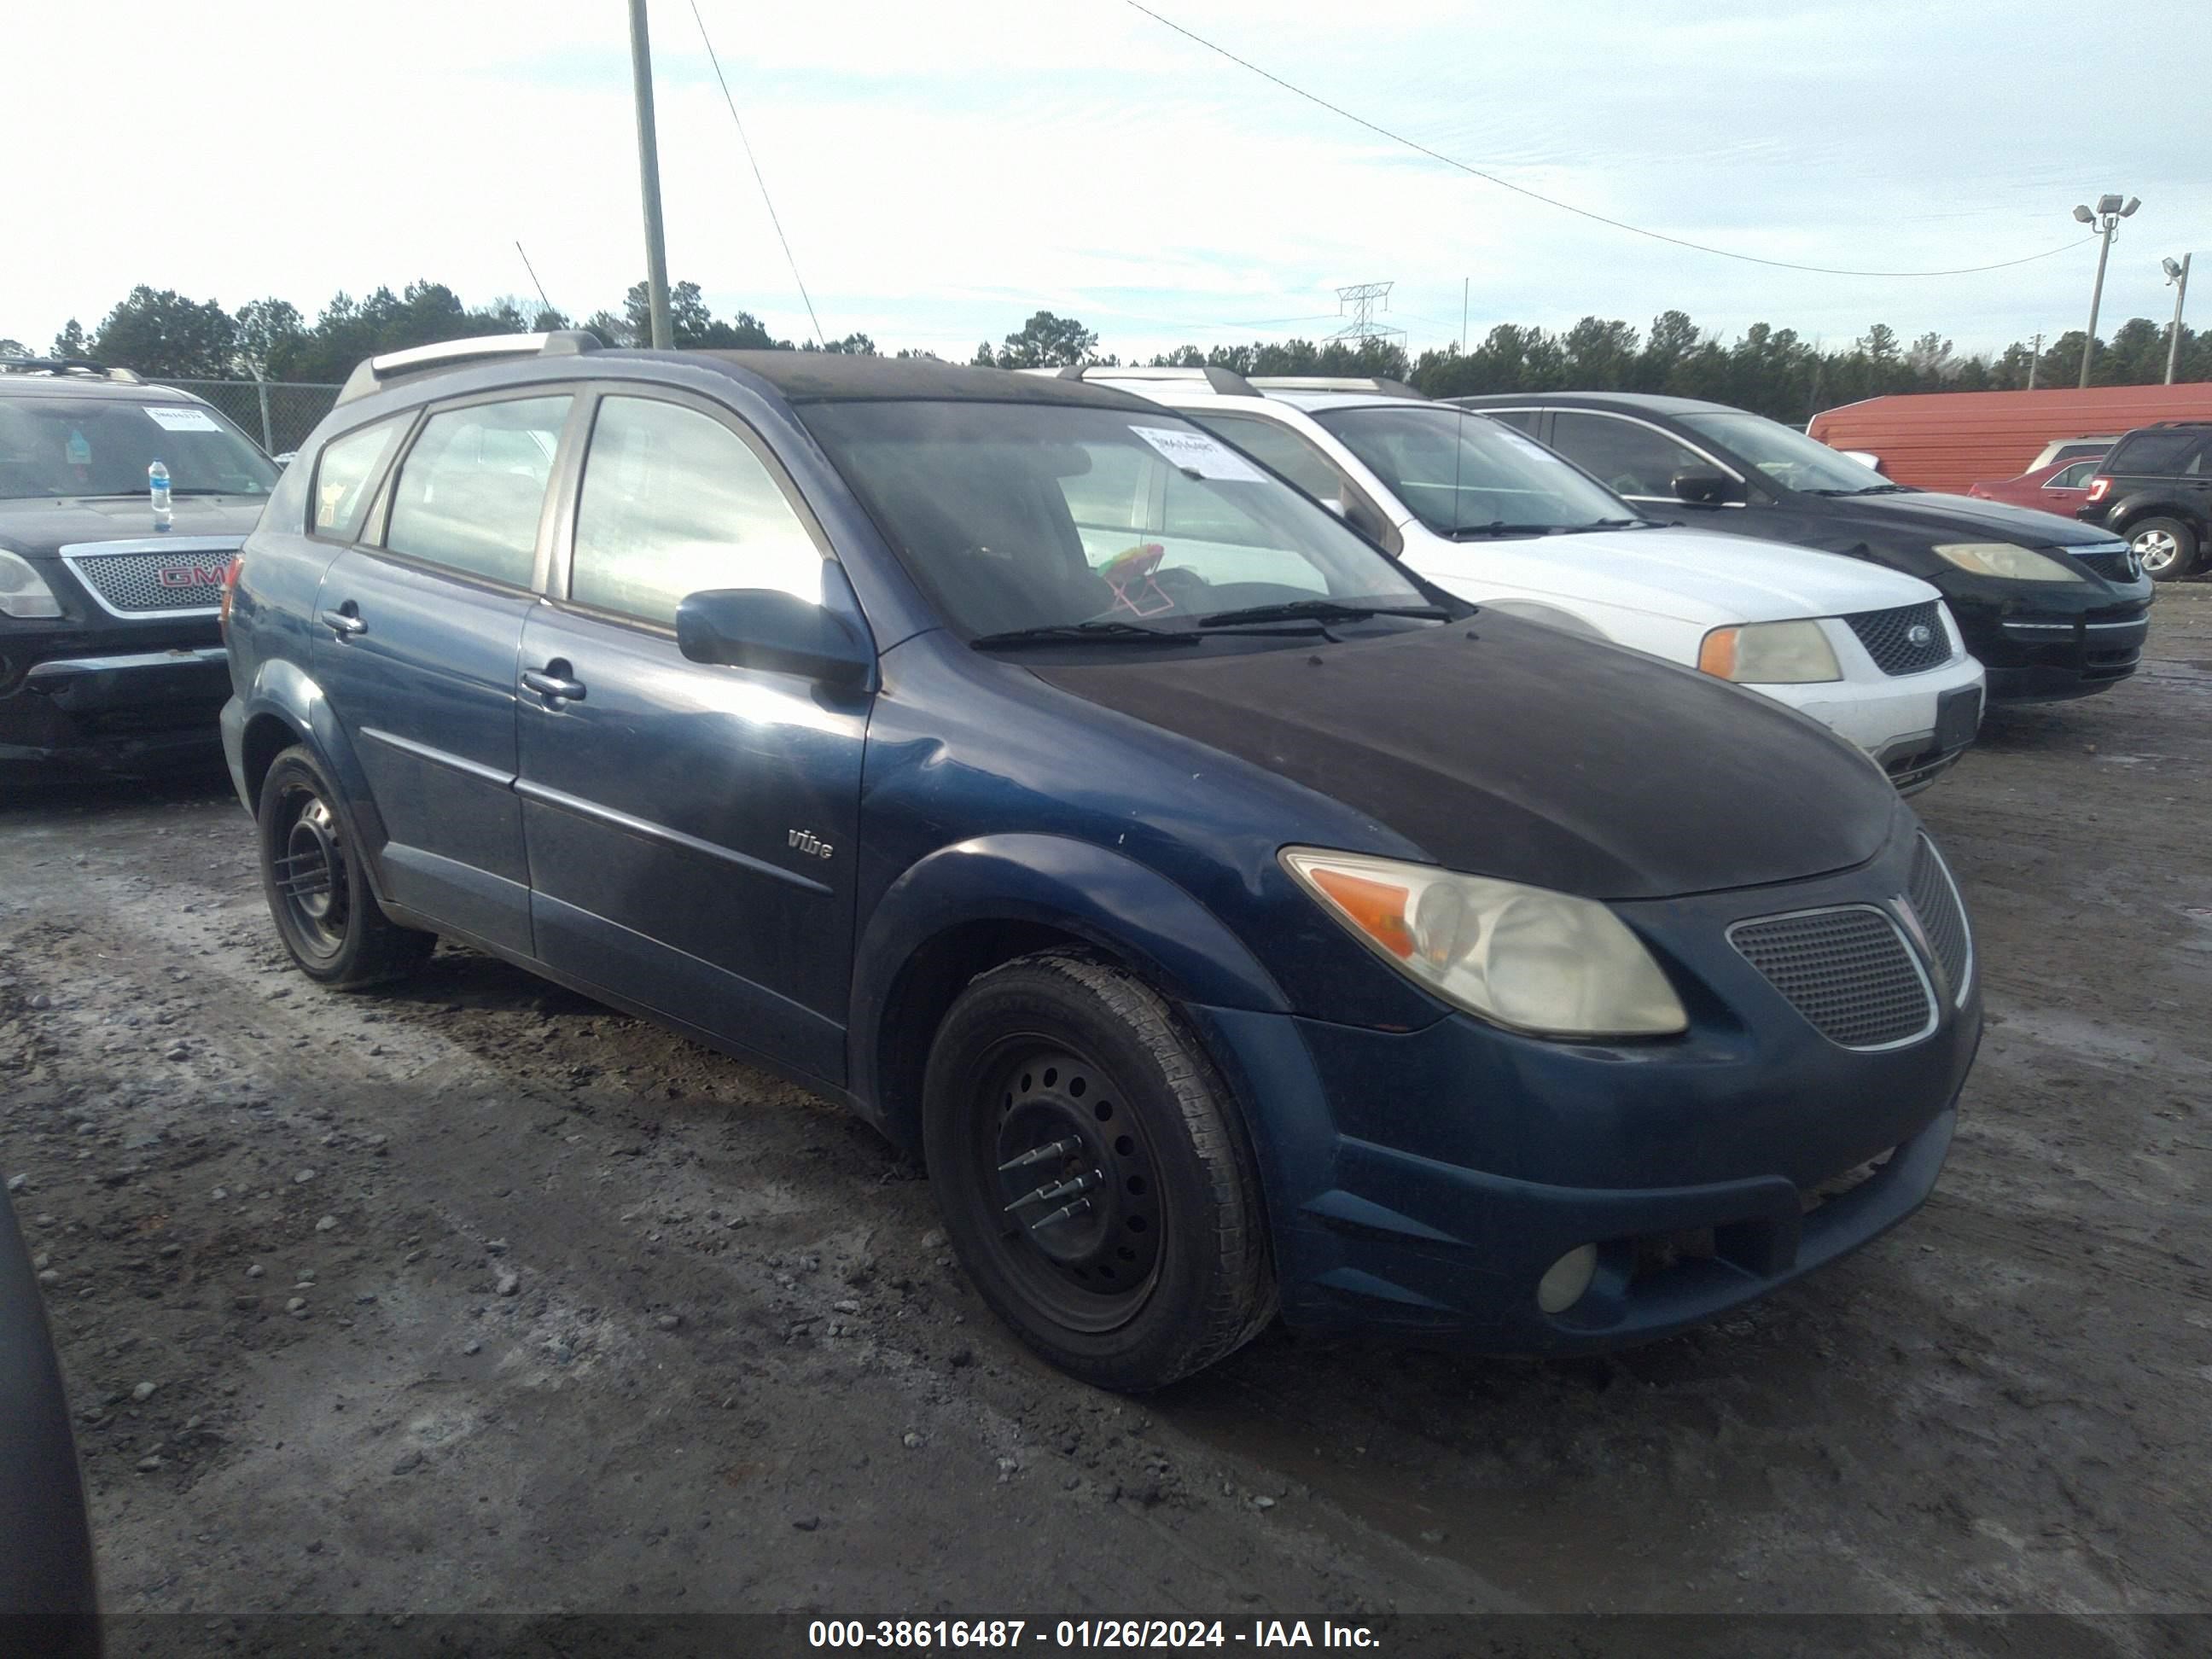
x=2017, y=564
x=23, y=591
x=1769, y=654
x=1522, y=957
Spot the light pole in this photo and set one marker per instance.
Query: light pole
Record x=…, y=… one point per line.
x=648, y=166
x=2105, y=217
x=2177, y=273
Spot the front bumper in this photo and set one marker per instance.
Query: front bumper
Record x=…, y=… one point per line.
x=1909, y=723
x=127, y=700
x=1421, y=1184
x=2041, y=649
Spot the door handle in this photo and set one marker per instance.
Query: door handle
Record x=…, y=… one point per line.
x=344, y=624
x=554, y=687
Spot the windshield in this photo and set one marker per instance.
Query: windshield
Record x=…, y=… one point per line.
x=71, y=446
x=1457, y=471
x=1790, y=458
x=1017, y=516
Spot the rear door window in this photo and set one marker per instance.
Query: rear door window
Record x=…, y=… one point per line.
x=673, y=503
x=471, y=490
x=1627, y=457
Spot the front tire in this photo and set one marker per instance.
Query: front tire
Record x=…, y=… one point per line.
x=1094, y=1181
x=319, y=896
x=2167, y=548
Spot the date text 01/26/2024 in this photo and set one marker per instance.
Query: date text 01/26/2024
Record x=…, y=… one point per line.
x=926, y=1635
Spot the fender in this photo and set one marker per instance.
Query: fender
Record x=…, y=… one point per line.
x=284, y=688
x=1126, y=908
x=1550, y=616
x=2167, y=502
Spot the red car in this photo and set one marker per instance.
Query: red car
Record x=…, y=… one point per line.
x=2058, y=488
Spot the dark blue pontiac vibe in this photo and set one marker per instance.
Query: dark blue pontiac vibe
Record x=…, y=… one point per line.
x=1235, y=924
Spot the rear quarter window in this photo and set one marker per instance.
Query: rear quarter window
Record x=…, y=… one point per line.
x=345, y=474
x=2159, y=453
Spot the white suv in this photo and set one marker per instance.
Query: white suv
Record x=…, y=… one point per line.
x=1488, y=512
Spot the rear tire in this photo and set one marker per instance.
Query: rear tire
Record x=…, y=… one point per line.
x=2167, y=548
x=1093, y=1178
x=318, y=893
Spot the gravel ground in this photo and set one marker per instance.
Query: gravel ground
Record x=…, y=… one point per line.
x=480, y=1296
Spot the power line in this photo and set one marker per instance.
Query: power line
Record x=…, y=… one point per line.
x=787, y=257
x=1569, y=207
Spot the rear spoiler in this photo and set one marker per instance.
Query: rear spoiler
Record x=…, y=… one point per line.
x=374, y=373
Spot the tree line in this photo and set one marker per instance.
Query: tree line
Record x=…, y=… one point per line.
x=1777, y=372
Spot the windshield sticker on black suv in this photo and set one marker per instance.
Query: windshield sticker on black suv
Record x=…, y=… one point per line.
x=1200, y=455
x=181, y=420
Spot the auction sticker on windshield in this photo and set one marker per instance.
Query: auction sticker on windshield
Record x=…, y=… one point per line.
x=1194, y=451
x=181, y=420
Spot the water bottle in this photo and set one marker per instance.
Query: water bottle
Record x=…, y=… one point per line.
x=157, y=484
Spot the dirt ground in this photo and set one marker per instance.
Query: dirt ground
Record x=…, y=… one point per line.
x=479, y=1297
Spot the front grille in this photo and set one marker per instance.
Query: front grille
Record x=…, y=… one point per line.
x=1906, y=640
x=2117, y=565
x=134, y=583
x=1935, y=899
x=1847, y=970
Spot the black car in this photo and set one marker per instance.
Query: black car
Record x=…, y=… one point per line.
x=2155, y=489
x=110, y=657
x=2052, y=609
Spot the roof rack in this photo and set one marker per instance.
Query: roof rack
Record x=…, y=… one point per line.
x=1227, y=382
x=1376, y=383
x=371, y=374
x=83, y=366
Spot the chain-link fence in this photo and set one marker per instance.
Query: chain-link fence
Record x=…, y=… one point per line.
x=279, y=413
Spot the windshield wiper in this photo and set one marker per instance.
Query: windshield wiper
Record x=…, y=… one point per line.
x=1318, y=611
x=1101, y=632
x=1870, y=489
x=1608, y=524
x=1500, y=527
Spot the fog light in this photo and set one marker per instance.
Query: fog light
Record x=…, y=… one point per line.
x=1565, y=1279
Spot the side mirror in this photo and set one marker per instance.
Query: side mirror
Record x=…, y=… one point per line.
x=1361, y=517
x=1703, y=487
x=762, y=628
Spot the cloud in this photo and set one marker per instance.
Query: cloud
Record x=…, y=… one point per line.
x=941, y=172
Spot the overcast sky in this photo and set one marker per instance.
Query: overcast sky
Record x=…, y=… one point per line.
x=943, y=169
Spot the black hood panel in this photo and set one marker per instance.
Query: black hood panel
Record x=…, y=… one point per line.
x=38, y=528
x=1937, y=518
x=1529, y=754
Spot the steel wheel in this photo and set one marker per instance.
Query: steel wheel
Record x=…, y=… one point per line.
x=310, y=873
x=1080, y=1225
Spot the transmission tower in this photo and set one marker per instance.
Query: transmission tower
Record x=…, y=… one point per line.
x=1364, y=299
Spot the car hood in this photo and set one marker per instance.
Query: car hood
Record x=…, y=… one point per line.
x=1703, y=577
x=42, y=527
x=1930, y=516
x=1503, y=748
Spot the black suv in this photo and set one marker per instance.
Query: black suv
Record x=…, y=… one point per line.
x=2053, y=610
x=109, y=653
x=2155, y=489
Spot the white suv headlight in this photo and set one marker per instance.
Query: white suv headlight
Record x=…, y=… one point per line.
x=23, y=591
x=1522, y=957
x=1769, y=654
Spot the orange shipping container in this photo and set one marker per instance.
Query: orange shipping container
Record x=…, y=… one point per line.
x=1948, y=439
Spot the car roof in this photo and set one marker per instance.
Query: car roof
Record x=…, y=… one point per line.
x=801, y=377
x=82, y=386
x=1647, y=402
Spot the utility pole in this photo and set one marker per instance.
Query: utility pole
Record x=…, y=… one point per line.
x=1465, y=283
x=649, y=167
x=2179, y=275
x=2034, y=359
x=2105, y=218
